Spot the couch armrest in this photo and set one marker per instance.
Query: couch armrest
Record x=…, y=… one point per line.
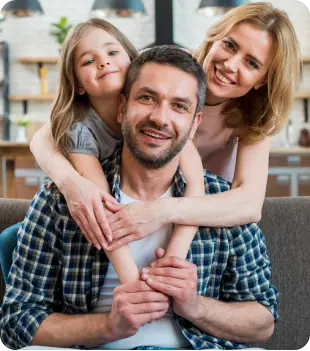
x=12, y=211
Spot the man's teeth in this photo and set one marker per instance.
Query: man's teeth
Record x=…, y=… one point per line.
x=154, y=135
x=222, y=78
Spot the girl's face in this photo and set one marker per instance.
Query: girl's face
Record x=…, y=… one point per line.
x=237, y=63
x=100, y=64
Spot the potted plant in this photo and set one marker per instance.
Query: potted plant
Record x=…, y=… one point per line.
x=60, y=30
x=21, y=126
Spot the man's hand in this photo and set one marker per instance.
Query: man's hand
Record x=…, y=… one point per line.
x=176, y=278
x=133, y=305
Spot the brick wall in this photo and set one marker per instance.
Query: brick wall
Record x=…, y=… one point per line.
x=30, y=37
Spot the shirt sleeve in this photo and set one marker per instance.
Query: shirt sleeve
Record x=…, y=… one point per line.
x=248, y=271
x=31, y=290
x=81, y=140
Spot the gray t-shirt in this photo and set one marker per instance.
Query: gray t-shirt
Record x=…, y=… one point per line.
x=92, y=136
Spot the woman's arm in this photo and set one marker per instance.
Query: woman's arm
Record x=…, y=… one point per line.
x=83, y=197
x=191, y=167
x=240, y=205
x=123, y=263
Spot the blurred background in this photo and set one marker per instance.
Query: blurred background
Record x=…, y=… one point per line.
x=30, y=40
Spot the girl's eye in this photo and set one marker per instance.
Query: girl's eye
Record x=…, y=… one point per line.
x=113, y=52
x=229, y=45
x=88, y=62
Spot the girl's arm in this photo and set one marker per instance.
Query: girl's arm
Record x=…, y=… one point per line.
x=83, y=197
x=240, y=205
x=89, y=167
x=191, y=167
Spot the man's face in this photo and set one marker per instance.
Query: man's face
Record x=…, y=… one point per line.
x=159, y=116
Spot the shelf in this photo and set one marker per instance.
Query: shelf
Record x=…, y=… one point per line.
x=45, y=97
x=306, y=59
x=302, y=95
x=38, y=59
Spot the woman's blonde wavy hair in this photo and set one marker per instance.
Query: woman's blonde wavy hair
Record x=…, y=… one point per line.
x=69, y=106
x=265, y=111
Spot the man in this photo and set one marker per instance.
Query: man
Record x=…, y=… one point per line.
x=62, y=292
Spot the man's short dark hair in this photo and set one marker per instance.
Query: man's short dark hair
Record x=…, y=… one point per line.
x=175, y=57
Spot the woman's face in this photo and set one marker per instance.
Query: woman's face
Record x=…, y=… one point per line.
x=237, y=63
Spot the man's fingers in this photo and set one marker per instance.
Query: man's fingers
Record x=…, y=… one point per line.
x=167, y=272
x=149, y=317
x=150, y=307
x=178, y=283
x=132, y=287
x=164, y=288
x=172, y=261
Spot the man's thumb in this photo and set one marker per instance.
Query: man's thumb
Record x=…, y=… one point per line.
x=159, y=253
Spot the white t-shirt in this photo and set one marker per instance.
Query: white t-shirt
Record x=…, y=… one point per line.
x=163, y=332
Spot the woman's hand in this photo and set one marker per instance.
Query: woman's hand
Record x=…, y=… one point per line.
x=85, y=202
x=134, y=221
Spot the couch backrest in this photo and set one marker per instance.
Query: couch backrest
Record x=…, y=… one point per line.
x=286, y=226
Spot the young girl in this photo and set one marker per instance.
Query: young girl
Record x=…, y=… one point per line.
x=252, y=61
x=94, y=62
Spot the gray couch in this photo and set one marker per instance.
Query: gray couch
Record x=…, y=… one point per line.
x=286, y=225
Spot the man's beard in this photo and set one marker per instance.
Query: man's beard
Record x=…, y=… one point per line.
x=150, y=161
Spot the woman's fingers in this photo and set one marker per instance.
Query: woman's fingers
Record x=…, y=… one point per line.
x=102, y=220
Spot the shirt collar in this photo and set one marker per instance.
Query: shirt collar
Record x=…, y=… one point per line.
x=114, y=179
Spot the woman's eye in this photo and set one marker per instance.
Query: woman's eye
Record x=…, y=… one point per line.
x=228, y=44
x=253, y=64
x=113, y=52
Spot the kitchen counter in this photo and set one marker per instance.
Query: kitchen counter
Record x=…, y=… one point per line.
x=290, y=150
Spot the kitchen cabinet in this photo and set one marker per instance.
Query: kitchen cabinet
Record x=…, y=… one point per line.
x=289, y=172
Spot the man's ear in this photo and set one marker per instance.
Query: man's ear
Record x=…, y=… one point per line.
x=121, y=106
x=196, y=122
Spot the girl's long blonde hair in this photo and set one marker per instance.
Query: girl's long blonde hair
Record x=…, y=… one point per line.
x=261, y=112
x=69, y=106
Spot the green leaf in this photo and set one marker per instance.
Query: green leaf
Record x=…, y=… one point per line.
x=63, y=21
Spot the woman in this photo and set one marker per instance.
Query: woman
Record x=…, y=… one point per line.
x=252, y=61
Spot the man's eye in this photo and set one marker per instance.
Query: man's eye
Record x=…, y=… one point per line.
x=181, y=107
x=113, y=52
x=88, y=62
x=146, y=98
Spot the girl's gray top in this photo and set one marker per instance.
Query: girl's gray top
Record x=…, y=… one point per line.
x=92, y=136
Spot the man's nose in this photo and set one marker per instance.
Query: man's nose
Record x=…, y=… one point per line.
x=159, y=115
x=232, y=64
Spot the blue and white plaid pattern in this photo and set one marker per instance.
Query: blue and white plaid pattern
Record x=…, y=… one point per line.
x=56, y=270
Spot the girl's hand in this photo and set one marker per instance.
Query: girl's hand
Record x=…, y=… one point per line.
x=85, y=203
x=134, y=221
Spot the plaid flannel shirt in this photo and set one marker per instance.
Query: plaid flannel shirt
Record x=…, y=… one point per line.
x=56, y=270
